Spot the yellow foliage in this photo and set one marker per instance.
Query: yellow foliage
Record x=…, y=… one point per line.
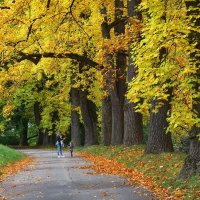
x=161, y=50
x=163, y=59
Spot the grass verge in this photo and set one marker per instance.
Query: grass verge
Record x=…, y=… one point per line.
x=8, y=155
x=163, y=168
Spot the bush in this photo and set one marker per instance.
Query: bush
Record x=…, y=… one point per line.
x=9, y=139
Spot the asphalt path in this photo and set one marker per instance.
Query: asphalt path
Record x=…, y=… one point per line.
x=52, y=178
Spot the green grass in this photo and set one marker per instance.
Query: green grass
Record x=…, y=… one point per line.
x=8, y=155
x=162, y=168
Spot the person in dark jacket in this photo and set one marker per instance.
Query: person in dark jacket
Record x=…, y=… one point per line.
x=71, y=147
x=59, y=145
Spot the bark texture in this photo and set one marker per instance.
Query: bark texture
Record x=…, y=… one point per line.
x=158, y=140
x=88, y=110
x=37, y=114
x=106, y=102
x=133, y=124
x=118, y=91
x=192, y=162
x=75, y=121
x=117, y=117
x=106, y=121
x=191, y=165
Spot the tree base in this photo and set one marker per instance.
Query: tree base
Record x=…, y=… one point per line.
x=190, y=168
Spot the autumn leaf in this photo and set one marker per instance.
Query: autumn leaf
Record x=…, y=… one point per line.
x=13, y=168
x=102, y=165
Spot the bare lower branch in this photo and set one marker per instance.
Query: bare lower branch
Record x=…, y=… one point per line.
x=36, y=57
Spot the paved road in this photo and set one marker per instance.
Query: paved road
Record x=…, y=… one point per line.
x=52, y=178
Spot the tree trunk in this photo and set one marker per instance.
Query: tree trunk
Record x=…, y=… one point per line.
x=48, y=140
x=117, y=117
x=118, y=92
x=75, y=121
x=88, y=110
x=133, y=125
x=192, y=162
x=37, y=122
x=24, y=132
x=52, y=139
x=132, y=8
x=106, y=120
x=191, y=165
x=158, y=140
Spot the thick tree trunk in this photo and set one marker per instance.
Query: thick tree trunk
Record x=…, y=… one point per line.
x=24, y=132
x=118, y=92
x=191, y=165
x=192, y=162
x=106, y=121
x=117, y=115
x=37, y=122
x=133, y=125
x=75, y=121
x=88, y=110
x=158, y=140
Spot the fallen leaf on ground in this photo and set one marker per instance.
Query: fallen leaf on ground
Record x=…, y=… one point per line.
x=102, y=165
x=104, y=194
x=13, y=168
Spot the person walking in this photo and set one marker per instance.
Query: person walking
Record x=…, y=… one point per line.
x=59, y=145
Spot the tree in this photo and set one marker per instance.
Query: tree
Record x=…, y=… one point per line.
x=191, y=165
x=164, y=64
x=75, y=121
x=133, y=124
x=88, y=110
x=118, y=90
x=107, y=74
x=22, y=125
x=38, y=41
x=72, y=47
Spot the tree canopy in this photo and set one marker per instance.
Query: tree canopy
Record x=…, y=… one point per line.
x=108, y=67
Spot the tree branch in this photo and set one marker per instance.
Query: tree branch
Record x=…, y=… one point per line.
x=36, y=57
x=4, y=7
x=113, y=24
x=48, y=4
x=32, y=137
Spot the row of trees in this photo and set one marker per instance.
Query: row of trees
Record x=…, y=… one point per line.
x=112, y=66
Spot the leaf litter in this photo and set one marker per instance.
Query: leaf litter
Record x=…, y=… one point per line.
x=102, y=165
